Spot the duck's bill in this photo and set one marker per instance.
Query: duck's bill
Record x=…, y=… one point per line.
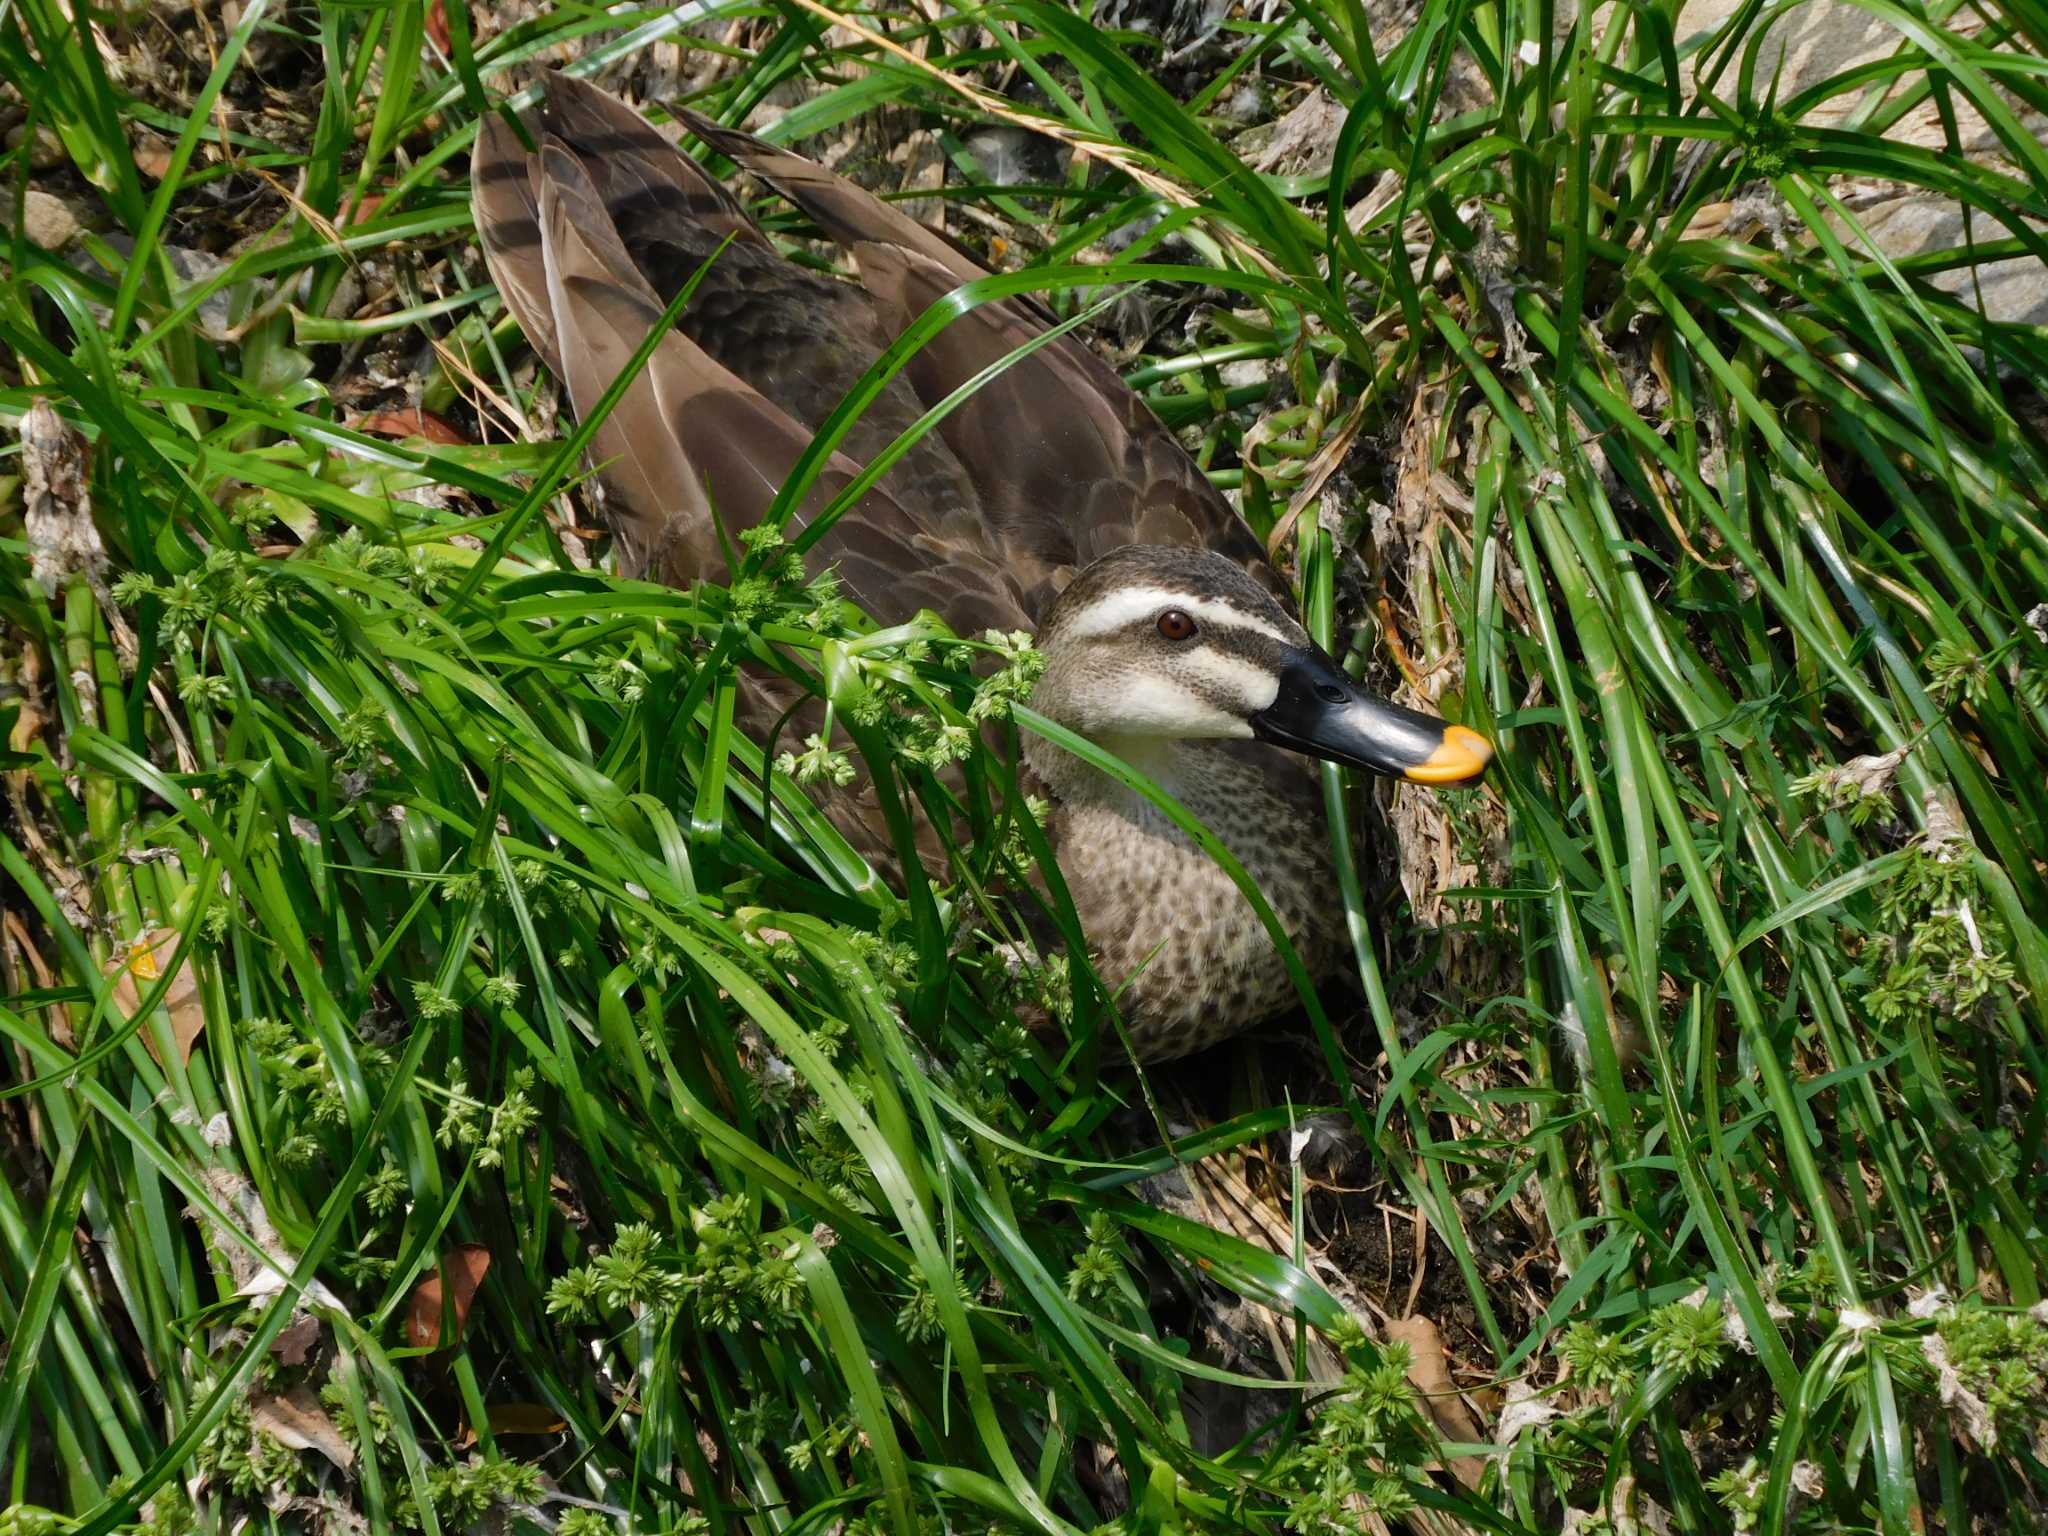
x=1321, y=712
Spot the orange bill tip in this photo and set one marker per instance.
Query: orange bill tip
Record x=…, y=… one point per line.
x=1462, y=755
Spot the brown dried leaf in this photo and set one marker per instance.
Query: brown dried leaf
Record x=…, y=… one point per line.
x=138, y=970
x=409, y=422
x=296, y=1340
x=152, y=154
x=437, y=26
x=465, y=1268
x=1304, y=142
x=1431, y=1377
x=296, y=1419
x=59, y=1015
x=515, y=1419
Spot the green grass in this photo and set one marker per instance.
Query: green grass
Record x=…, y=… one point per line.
x=1718, y=1090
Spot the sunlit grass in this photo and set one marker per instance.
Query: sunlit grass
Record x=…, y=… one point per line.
x=486, y=948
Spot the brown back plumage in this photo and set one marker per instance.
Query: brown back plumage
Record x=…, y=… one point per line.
x=1049, y=465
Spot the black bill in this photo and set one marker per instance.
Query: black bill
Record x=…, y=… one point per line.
x=1323, y=713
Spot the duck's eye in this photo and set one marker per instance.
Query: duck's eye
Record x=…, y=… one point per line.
x=1176, y=625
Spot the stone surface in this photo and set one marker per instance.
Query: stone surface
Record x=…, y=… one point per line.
x=1824, y=38
x=46, y=221
x=2014, y=290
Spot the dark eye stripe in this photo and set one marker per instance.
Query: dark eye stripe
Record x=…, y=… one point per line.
x=1253, y=645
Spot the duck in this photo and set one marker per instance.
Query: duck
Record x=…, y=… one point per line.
x=1052, y=501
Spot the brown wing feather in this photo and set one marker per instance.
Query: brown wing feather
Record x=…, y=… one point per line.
x=803, y=340
x=846, y=213
x=1069, y=466
x=1051, y=464
x=599, y=312
x=690, y=440
x=1068, y=461
x=587, y=240
x=507, y=215
x=644, y=181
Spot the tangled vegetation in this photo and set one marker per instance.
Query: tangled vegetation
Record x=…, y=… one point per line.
x=454, y=1081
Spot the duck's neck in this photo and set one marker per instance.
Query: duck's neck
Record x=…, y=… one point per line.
x=1255, y=800
x=1167, y=928
x=1186, y=770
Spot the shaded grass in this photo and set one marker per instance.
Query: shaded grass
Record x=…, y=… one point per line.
x=484, y=937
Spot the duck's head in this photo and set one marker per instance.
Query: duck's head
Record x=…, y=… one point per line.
x=1150, y=645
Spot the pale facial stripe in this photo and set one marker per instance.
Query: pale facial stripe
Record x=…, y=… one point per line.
x=1118, y=610
x=1151, y=707
x=1233, y=681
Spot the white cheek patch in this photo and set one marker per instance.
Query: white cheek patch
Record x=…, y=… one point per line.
x=1119, y=610
x=1246, y=685
x=1152, y=705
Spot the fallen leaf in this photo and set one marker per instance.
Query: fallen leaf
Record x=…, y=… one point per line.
x=59, y=1015
x=296, y=1419
x=152, y=155
x=1431, y=1377
x=409, y=422
x=465, y=1268
x=437, y=26
x=515, y=1419
x=296, y=1339
x=137, y=971
x=1306, y=137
